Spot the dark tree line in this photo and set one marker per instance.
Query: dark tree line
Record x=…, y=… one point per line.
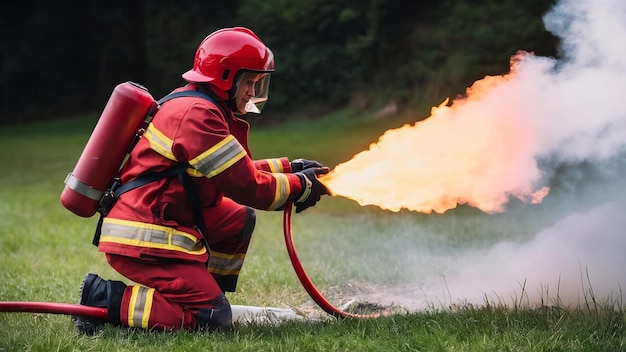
x=62, y=58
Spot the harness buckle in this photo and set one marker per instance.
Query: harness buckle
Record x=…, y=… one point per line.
x=109, y=197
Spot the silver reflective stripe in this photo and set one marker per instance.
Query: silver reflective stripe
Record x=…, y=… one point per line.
x=150, y=235
x=275, y=165
x=79, y=186
x=140, y=307
x=283, y=191
x=219, y=157
x=225, y=264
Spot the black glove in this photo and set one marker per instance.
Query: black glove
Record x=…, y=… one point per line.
x=313, y=189
x=298, y=165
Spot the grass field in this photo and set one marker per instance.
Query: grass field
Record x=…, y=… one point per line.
x=352, y=253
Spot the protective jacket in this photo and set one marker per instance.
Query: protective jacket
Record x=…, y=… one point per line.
x=157, y=219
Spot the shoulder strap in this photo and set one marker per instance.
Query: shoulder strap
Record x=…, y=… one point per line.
x=196, y=204
x=189, y=93
x=150, y=177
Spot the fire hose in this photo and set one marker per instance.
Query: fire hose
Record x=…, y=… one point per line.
x=304, y=278
x=101, y=313
x=54, y=308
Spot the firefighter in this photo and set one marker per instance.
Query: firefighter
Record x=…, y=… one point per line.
x=152, y=235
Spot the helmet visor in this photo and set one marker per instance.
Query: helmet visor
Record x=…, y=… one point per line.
x=259, y=91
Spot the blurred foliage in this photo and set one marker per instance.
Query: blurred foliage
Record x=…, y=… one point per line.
x=65, y=57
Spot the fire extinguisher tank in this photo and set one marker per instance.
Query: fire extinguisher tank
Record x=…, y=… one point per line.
x=106, y=149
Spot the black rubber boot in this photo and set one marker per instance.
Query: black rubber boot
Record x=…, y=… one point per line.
x=218, y=318
x=96, y=292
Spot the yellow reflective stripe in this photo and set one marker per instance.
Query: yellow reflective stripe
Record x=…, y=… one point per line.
x=219, y=157
x=225, y=264
x=194, y=173
x=131, y=306
x=148, y=309
x=282, y=191
x=159, y=142
x=140, y=234
x=140, y=306
x=275, y=165
x=224, y=272
x=227, y=256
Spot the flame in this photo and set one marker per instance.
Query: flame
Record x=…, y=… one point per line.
x=476, y=151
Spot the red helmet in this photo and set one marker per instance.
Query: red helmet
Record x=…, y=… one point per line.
x=225, y=53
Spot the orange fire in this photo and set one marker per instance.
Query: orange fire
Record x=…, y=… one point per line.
x=475, y=151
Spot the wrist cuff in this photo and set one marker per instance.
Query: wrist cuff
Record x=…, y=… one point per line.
x=306, y=188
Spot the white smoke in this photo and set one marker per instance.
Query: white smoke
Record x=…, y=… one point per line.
x=579, y=259
x=578, y=102
x=581, y=95
x=577, y=105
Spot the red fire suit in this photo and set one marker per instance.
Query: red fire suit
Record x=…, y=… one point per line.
x=149, y=236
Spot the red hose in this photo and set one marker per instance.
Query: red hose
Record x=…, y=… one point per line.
x=304, y=278
x=54, y=308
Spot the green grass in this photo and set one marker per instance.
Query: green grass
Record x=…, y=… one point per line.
x=347, y=249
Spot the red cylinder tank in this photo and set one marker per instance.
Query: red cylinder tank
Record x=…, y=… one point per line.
x=106, y=149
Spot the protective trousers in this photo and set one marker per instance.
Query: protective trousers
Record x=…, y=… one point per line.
x=183, y=294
